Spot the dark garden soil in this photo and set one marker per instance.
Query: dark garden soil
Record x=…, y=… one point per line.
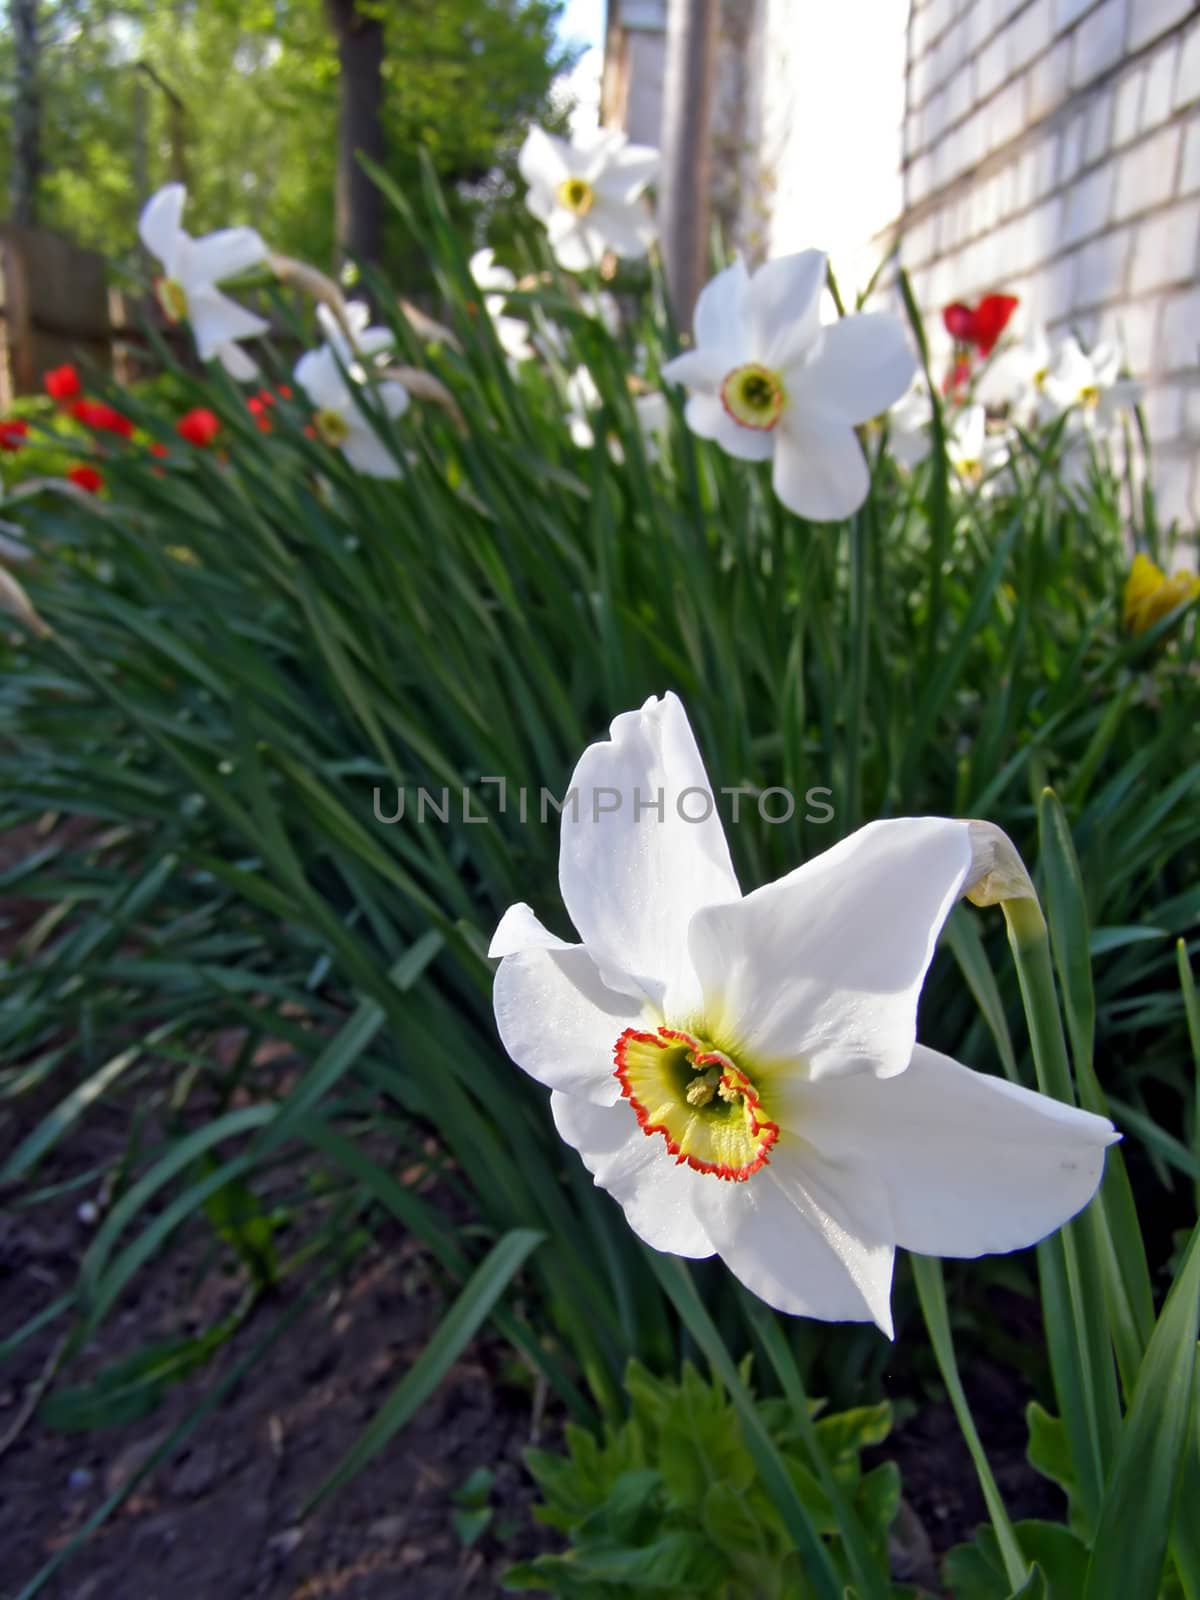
x=219, y=1518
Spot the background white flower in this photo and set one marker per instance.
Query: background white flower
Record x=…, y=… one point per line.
x=908, y=425
x=1091, y=381
x=769, y=382
x=588, y=195
x=583, y=398
x=742, y=1073
x=338, y=418
x=191, y=271
x=358, y=341
x=495, y=280
x=976, y=455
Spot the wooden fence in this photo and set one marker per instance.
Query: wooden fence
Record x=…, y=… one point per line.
x=56, y=305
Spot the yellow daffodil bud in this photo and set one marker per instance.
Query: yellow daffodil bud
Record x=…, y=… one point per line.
x=1150, y=595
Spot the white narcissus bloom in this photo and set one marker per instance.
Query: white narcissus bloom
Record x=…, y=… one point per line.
x=1016, y=377
x=191, y=271
x=908, y=426
x=512, y=333
x=1092, y=381
x=583, y=398
x=769, y=382
x=358, y=341
x=589, y=195
x=338, y=419
x=976, y=455
x=741, y=1073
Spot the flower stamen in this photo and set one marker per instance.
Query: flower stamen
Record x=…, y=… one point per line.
x=708, y=1111
x=332, y=428
x=754, y=396
x=172, y=297
x=576, y=195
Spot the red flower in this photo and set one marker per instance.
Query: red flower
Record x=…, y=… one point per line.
x=263, y=423
x=62, y=383
x=198, y=426
x=254, y=406
x=981, y=325
x=157, y=448
x=285, y=391
x=13, y=433
x=103, y=418
x=266, y=397
x=85, y=477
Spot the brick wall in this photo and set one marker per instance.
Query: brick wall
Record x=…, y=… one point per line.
x=1052, y=147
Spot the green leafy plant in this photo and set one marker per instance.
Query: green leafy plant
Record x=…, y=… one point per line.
x=669, y=1501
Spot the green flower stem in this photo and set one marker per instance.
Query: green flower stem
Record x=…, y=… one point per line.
x=1070, y=1263
x=931, y=1290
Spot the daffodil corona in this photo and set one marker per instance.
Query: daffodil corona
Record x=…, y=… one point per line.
x=741, y=1073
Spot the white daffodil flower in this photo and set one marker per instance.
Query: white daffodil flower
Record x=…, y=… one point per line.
x=1016, y=377
x=769, y=382
x=358, y=341
x=908, y=426
x=976, y=455
x=583, y=398
x=495, y=280
x=192, y=269
x=741, y=1073
x=589, y=195
x=1092, y=382
x=340, y=422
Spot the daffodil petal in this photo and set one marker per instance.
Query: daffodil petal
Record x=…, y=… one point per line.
x=242, y=368
x=626, y=172
x=519, y=929
x=159, y=226
x=722, y=316
x=627, y=230
x=630, y=877
x=216, y=320
x=318, y=375
x=820, y=472
x=973, y=1165
x=806, y=1238
x=222, y=255
x=822, y=970
x=657, y=1194
x=560, y=1022
x=543, y=160
x=784, y=305
x=862, y=364
x=368, y=454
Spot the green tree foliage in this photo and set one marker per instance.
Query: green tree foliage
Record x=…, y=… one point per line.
x=241, y=101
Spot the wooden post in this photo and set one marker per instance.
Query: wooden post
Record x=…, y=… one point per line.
x=684, y=190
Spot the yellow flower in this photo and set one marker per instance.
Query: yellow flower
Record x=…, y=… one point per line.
x=1150, y=595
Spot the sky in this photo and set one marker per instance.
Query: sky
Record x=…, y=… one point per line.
x=582, y=22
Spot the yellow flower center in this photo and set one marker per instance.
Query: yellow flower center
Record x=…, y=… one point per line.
x=754, y=396
x=172, y=297
x=577, y=196
x=1089, y=395
x=1040, y=376
x=706, y=1108
x=332, y=427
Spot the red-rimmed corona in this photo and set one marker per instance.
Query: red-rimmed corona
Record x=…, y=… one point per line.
x=698, y=1098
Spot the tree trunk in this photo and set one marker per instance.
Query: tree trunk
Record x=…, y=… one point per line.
x=359, y=204
x=27, y=111
x=684, y=197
